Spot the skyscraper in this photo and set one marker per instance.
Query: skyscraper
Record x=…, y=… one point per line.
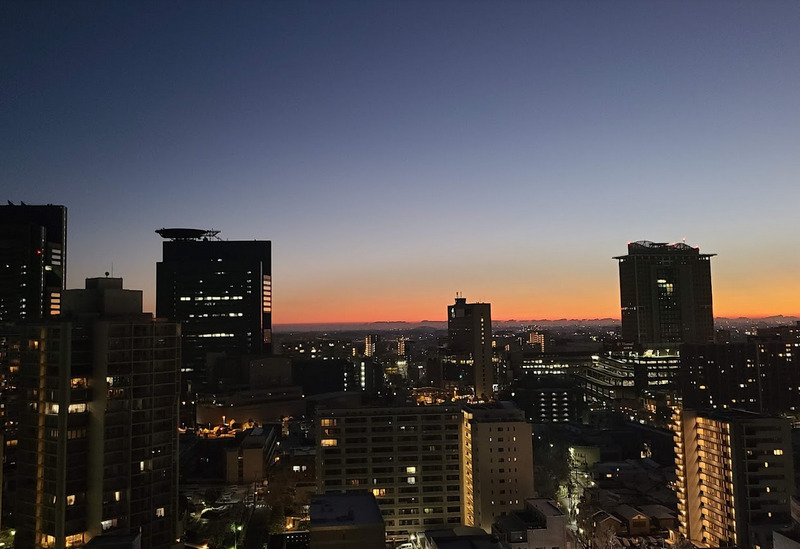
x=98, y=432
x=221, y=293
x=469, y=333
x=665, y=294
x=33, y=258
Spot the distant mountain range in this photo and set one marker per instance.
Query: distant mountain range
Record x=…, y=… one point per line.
x=401, y=325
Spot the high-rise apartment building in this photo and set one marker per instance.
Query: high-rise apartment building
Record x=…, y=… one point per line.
x=407, y=456
x=98, y=431
x=759, y=376
x=221, y=293
x=735, y=477
x=371, y=344
x=33, y=257
x=469, y=334
x=665, y=294
x=496, y=462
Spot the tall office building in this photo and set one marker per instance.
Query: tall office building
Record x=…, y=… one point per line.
x=469, y=333
x=735, y=477
x=33, y=257
x=496, y=462
x=98, y=433
x=665, y=294
x=221, y=293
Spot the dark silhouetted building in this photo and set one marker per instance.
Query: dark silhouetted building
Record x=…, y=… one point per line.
x=221, y=293
x=33, y=257
x=98, y=434
x=343, y=521
x=469, y=334
x=665, y=294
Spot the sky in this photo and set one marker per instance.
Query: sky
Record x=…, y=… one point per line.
x=398, y=152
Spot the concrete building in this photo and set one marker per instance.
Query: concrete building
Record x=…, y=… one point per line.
x=469, y=342
x=496, y=462
x=344, y=521
x=407, y=456
x=98, y=438
x=540, y=524
x=220, y=292
x=735, y=477
x=665, y=294
x=429, y=466
x=247, y=462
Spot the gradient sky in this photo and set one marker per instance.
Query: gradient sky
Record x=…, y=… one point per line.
x=396, y=152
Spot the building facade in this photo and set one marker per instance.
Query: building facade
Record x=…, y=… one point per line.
x=33, y=259
x=469, y=335
x=496, y=462
x=735, y=477
x=408, y=457
x=665, y=294
x=220, y=292
x=759, y=376
x=98, y=432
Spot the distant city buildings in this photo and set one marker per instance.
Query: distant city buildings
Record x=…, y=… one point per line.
x=665, y=294
x=469, y=343
x=221, y=293
x=371, y=344
x=98, y=441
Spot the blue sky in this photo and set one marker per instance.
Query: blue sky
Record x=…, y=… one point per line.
x=398, y=152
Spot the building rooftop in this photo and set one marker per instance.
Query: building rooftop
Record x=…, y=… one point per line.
x=345, y=509
x=644, y=247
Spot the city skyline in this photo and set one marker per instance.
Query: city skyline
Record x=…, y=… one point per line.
x=398, y=153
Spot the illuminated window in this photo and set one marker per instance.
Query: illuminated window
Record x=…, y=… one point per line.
x=117, y=496
x=778, y=452
x=160, y=512
x=377, y=492
x=411, y=470
x=327, y=422
x=330, y=442
x=71, y=499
